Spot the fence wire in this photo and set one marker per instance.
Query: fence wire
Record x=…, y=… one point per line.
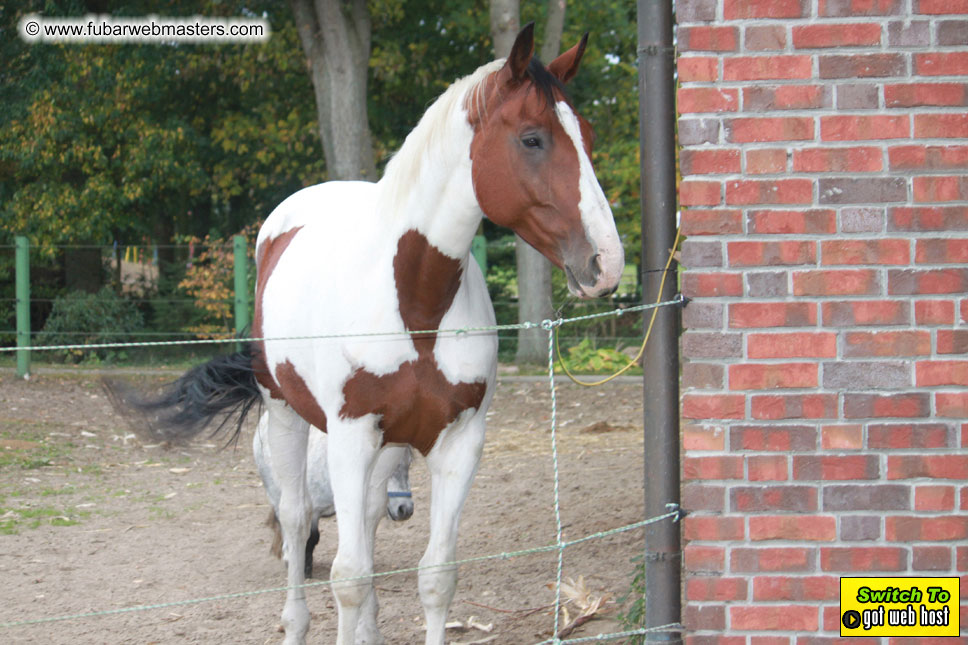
x=558, y=546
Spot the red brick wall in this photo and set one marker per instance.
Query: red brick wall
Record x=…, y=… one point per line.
x=825, y=377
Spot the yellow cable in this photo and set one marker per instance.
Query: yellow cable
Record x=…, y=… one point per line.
x=648, y=331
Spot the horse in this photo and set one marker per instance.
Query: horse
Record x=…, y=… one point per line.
x=359, y=290
x=399, y=499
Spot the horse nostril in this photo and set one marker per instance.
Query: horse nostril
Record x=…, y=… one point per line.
x=595, y=266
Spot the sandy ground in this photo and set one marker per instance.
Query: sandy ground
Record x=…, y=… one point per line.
x=92, y=520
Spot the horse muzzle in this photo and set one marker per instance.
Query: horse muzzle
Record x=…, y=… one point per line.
x=596, y=276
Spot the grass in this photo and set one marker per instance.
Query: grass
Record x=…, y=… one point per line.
x=13, y=520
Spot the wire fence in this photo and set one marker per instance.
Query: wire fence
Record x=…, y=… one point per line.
x=558, y=546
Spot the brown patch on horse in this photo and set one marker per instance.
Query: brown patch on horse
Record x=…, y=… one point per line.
x=298, y=395
x=267, y=257
x=416, y=402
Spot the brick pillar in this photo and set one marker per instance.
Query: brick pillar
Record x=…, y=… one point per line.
x=825, y=377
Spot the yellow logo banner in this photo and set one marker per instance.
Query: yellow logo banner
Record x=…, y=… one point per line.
x=899, y=606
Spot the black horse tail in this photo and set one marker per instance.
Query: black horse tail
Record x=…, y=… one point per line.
x=221, y=390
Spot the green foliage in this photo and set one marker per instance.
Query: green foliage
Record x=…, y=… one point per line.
x=586, y=358
x=85, y=318
x=634, y=616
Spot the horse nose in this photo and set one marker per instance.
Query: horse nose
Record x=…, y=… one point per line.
x=400, y=512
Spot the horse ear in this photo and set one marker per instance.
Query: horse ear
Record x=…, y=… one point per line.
x=521, y=53
x=566, y=66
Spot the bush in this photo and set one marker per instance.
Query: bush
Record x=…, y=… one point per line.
x=85, y=318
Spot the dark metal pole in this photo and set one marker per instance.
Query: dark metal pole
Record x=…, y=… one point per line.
x=661, y=362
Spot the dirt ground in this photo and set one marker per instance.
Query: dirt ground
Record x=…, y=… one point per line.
x=93, y=520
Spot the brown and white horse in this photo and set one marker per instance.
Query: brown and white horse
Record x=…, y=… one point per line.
x=344, y=258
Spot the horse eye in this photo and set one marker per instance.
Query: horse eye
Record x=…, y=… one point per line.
x=531, y=142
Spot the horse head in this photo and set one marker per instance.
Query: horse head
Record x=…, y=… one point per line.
x=531, y=167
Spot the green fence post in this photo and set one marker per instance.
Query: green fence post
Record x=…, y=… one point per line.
x=479, y=251
x=240, y=246
x=22, y=264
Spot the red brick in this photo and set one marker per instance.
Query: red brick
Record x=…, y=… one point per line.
x=704, y=559
x=705, y=161
x=887, y=343
x=932, y=373
x=934, y=498
x=766, y=161
x=931, y=558
x=772, y=438
x=698, y=69
x=941, y=251
x=697, y=496
x=779, y=588
x=838, y=282
x=767, y=468
x=762, y=68
x=712, y=285
x=792, y=345
x=799, y=528
x=759, y=376
x=772, y=191
x=706, y=99
x=940, y=126
x=951, y=404
x=704, y=617
x=700, y=437
x=717, y=529
x=772, y=314
x=726, y=467
x=835, y=467
x=933, y=466
x=784, y=222
x=709, y=639
x=853, y=8
x=863, y=159
x=928, y=218
x=700, y=193
x=774, y=618
x=865, y=252
x=928, y=157
x=739, y=9
x=865, y=313
x=934, y=312
x=836, y=35
x=962, y=558
x=964, y=500
x=906, y=282
x=754, y=254
x=940, y=189
x=709, y=38
x=863, y=127
x=926, y=94
x=697, y=221
x=862, y=65
x=941, y=7
x=922, y=529
x=764, y=37
x=765, y=129
x=713, y=406
x=767, y=98
x=772, y=559
x=842, y=437
x=906, y=436
x=941, y=64
x=855, y=558
x=773, y=498
x=794, y=406
x=715, y=589
x=908, y=405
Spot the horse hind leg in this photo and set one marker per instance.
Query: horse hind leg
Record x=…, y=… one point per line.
x=287, y=441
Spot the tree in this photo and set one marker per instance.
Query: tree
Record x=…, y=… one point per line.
x=533, y=269
x=335, y=37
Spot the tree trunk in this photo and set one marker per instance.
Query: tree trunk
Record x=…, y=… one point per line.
x=533, y=270
x=335, y=37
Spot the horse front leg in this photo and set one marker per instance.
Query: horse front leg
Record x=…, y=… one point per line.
x=453, y=463
x=287, y=442
x=353, y=448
